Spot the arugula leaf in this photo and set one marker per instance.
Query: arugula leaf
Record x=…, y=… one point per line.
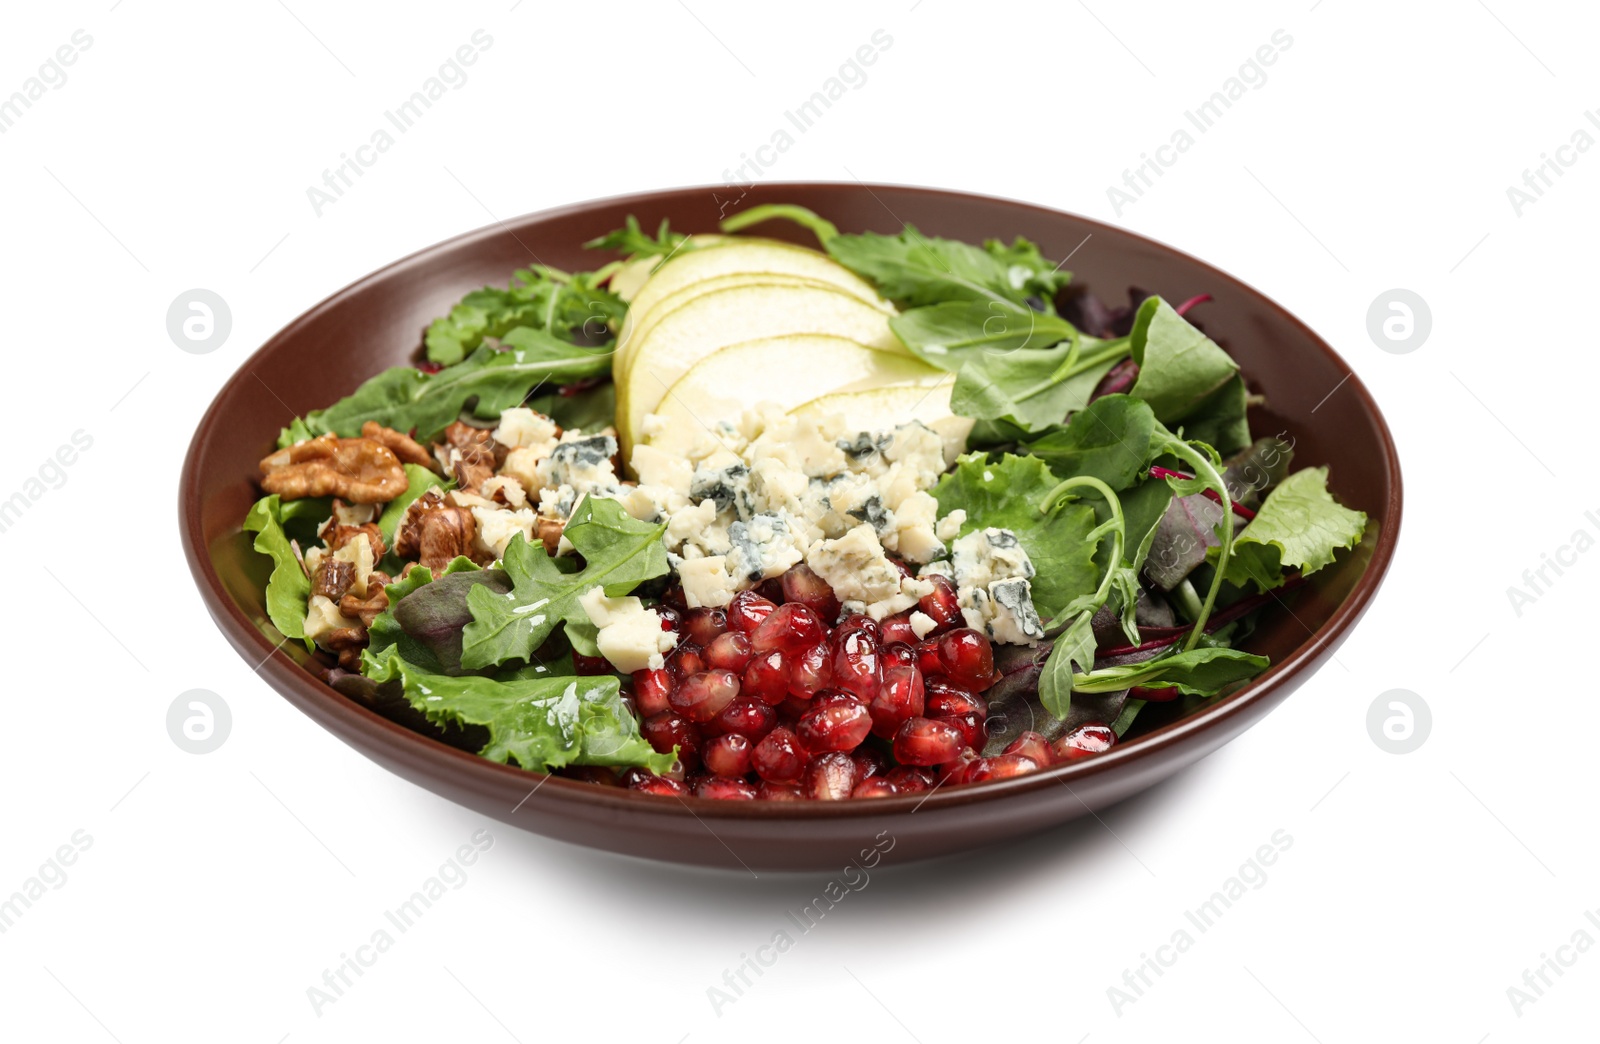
x=619, y=553
x=1299, y=526
x=1010, y=494
x=586, y=410
x=1178, y=365
x=630, y=239
x=288, y=589
x=418, y=481
x=1205, y=671
x=404, y=398
x=1108, y=439
x=913, y=269
x=540, y=723
x=569, y=306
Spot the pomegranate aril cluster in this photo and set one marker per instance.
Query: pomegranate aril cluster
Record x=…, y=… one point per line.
x=779, y=698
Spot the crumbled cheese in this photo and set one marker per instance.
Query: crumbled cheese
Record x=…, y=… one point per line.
x=353, y=514
x=949, y=526
x=922, y=624
x=861, y=575
x=324, y=617
x=630, y=636
x=522, y=428
x=358, y=552
x=509, y=488
x=496, y=526
x=706, y=582
x=991, y=571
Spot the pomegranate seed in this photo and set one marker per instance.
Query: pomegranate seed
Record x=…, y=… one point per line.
x=719, y=789
x=748, y=609
x=840, y=725
x=802, y=585
x=729, y=651
x=778, y=792
x=899, y=699
x=1082, y=742
x=771, y=589
x=1002, y=767
x=791, y=708
x=856, y=622
x=956, y=771
x=671, y=619
x=877, y=787
x=701, y=626
x=830, y=777
x=589, y=665
x=686, y=659
x=855, y=661
x=596, y=774
x=812, y=670
x=727, y=755
x=928, y=661
x=897, y=654
x=968, y=659
x=897, y=628
x=910, y=780
x=869, y=762
x=942, y=605
x=830, y=697
x=971, y=727
x=900, y=566
x=648, y=783
x=666, y=731
x=946, y=700
x=1031, y=745
x=779, y=758
x=673, y=598
x=924, y=741
x=1165, y=694
x=747, y=717
x=767, y=678
x=701, y=697
x=650, y=691
x=789, y=628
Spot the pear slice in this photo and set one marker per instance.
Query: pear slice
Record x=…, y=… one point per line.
x=631, y=275
x=715, y=320
x=737, y=254
x=636, y=327
x=883, y=409
x=788, y=371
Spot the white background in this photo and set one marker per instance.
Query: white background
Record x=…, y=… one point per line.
x=1377, y=155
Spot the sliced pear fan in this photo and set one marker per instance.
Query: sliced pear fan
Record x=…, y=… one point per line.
x=712, y=321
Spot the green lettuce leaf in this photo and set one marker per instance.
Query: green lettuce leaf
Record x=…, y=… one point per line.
x=1299, y=526
x=540, y=723
x=404, y=398
x=1179, y=367
x=1109, y=439
x=1219, y=420
x=1010, y=494
x=288, y=589
x=619, y=553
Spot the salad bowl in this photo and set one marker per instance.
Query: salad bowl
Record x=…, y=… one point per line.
x=1301, y=389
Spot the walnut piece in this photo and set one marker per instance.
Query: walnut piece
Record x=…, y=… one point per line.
x=358, y=470
x=409, y=450
x=469, y=454
x=336, y=536
x=435, y=532
x=549, y=530
x=348, y=643
x=332, y=578
x=367, y=609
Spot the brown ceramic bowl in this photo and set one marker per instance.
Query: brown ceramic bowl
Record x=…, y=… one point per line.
x=378, y=321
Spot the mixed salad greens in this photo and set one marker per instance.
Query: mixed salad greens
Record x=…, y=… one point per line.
x=1113, y=443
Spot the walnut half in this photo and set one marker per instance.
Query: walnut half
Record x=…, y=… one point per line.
x=435, y=531
x=359, y=470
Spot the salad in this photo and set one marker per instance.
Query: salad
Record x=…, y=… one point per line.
x=732, y=518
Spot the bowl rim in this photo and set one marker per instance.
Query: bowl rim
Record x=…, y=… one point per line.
x=484, y=776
